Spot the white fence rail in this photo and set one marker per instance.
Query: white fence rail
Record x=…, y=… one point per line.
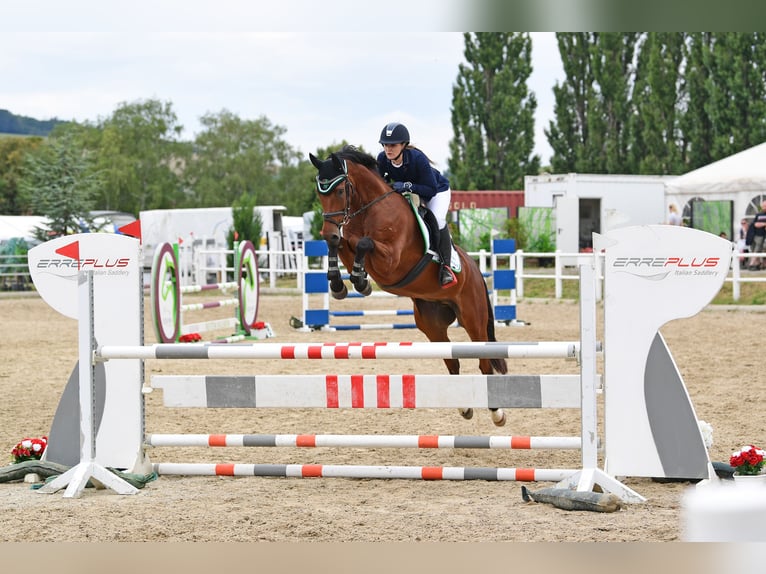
x=207, y=266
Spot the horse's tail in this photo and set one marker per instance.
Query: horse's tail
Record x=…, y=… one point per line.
x=499, y=365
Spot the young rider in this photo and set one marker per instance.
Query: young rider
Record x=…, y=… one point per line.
x=410, y=170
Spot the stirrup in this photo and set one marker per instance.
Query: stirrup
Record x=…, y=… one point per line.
x=446, y=277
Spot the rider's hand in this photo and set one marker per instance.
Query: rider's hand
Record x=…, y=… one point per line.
x=401, y=186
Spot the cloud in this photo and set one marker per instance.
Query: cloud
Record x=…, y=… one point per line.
x=322, y=86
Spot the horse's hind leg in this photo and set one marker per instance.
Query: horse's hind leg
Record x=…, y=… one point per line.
x=480, y=327
x=434, y=319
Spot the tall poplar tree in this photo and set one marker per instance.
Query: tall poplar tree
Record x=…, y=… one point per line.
x=659, y=90
x=592, y=105
x=737, y=88
x=493, y=114
x=696, y=122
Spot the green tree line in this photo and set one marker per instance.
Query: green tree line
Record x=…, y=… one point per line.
x=630, y=103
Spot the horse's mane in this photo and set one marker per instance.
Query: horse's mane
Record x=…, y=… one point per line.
x=355, y=155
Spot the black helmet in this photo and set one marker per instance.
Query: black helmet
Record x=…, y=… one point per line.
x=394, y=133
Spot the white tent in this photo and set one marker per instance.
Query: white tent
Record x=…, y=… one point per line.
x=739, y=178
x=20, y=226
x=744, y=171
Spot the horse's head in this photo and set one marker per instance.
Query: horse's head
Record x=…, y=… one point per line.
x=347, y=184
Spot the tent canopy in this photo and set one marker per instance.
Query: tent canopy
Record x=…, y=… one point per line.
x=744, y=171
x=20, y=226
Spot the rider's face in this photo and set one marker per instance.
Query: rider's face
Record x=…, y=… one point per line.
x=393, y=150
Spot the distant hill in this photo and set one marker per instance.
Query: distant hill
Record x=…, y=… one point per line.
x=22, y=125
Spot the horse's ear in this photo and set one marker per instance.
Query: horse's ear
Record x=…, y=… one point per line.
x=315, y=160
x=337, y=163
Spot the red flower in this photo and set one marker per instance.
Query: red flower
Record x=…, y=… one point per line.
x=190, y=338
x=29, y=449
x=748, y=460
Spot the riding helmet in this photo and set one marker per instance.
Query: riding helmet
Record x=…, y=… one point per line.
x=394, y=133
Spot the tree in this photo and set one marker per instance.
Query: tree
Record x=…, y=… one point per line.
x=737, y=89
x=592, y=109
x=493, y=114
x=659, y=91
x=234, y=158
x=13, y=150
x=696, y=123
x=60, y=183
x=568, y=134
x=140, y=157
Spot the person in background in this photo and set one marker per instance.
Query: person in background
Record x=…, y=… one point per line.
x=741, y=242
x=410, y=170
x=759, y=234
x=674, y=218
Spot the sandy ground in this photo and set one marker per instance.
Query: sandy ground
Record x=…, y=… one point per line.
x=714, y=350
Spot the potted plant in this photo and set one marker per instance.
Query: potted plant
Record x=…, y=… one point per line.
x=748, y=462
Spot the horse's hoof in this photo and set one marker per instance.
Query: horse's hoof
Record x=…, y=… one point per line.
x=467, y=414
x=366, y=290
x=339, y=294
x=498, y=417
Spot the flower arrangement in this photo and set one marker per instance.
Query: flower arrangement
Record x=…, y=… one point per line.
x=190, y=338
x=748, y=460
x=29, y=449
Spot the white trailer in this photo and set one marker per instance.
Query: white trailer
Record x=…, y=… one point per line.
x=586, y=203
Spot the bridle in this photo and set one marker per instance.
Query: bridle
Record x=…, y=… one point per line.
x=325, y=186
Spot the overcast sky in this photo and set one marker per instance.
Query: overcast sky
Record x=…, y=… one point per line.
x=323, y=81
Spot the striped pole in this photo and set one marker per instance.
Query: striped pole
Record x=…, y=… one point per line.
x=209, y=305
x=403, y=350
x=372, y=313
x=373, y=326
x=209, y=287
x=358, y=471
x=363, y=441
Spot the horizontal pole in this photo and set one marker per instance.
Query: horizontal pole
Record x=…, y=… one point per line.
x=472, y=350
x=362, y=441
x=209, y=305
x=352, y=471
x=209, y=287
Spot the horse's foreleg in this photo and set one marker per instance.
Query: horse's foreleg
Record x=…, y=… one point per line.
x=359, y=278
x=337, y=286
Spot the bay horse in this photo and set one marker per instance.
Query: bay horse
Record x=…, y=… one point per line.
x=374, y=230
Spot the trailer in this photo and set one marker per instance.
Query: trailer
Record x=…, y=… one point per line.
x=581, y=204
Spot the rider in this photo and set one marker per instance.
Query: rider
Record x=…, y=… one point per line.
x=411, y=170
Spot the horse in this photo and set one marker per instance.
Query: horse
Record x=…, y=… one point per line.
x=374, y=231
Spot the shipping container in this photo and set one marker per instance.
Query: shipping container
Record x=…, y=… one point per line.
x=487, y=199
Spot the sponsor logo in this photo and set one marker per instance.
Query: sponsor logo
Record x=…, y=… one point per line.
x=83, y=264
x=658, y=268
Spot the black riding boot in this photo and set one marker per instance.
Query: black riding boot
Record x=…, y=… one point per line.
x=446, y=276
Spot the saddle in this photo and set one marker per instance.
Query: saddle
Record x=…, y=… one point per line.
x=429, y=228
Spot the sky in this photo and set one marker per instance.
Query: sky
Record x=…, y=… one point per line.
x=322, y=79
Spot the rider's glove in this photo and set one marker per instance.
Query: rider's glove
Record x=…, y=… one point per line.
x=402, y=186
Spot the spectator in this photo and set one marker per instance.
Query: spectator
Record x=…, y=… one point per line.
x=674, y=218
x=742, y=245
x=759, y=234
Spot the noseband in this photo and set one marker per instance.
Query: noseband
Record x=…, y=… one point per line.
x=325, y=186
